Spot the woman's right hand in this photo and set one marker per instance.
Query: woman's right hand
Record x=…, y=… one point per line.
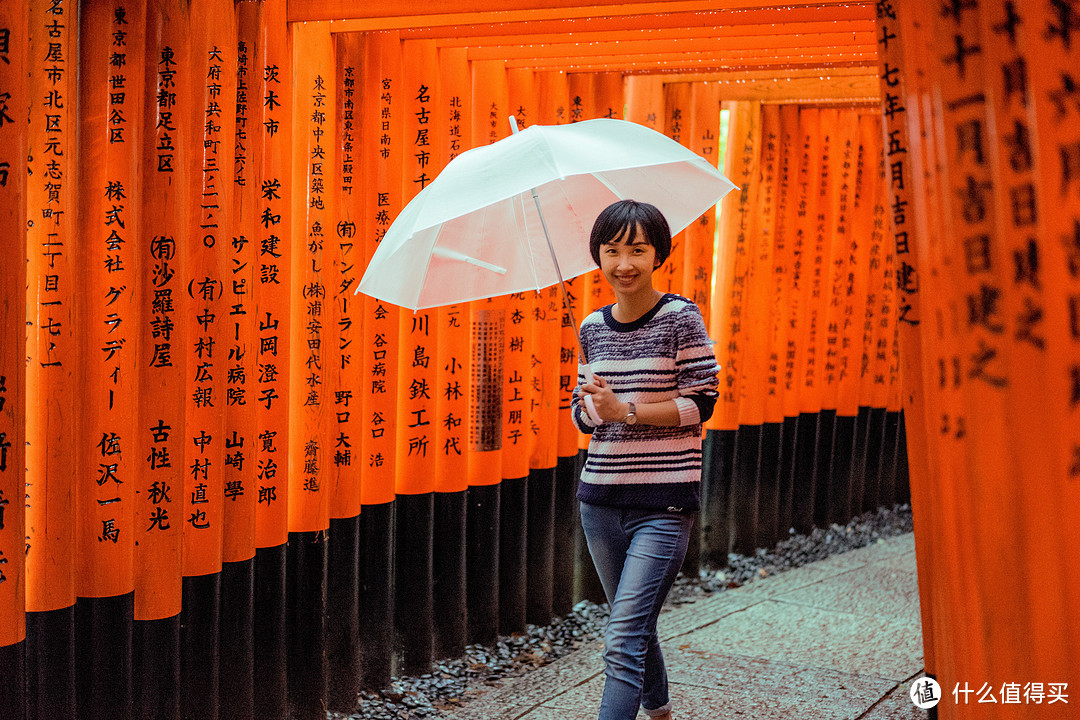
x=607, y=405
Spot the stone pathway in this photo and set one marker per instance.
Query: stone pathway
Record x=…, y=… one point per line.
x=838, y=639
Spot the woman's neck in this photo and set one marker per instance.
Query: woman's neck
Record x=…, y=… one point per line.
x=629, y=308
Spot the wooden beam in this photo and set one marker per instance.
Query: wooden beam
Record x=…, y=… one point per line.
x=768, y=17
x=773, y=35
x=652, y=66
x=349, y=16
x=769, y=74
x=688, y=32
x=857, y=89
x=783, y=45
x=687, y=62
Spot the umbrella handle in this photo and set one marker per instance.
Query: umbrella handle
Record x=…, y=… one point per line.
x=590, y=408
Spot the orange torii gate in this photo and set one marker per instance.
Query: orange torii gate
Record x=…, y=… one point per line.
x=981, y=157
x=222, y=509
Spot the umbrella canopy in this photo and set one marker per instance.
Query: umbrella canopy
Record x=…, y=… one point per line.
x=476, y=231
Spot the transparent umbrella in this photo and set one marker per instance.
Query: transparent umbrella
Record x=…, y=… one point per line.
x=515, y=215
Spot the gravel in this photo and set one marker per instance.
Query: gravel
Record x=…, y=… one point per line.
x=454, y=682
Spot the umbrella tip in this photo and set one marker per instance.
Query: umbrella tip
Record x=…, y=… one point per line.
x=513, y=125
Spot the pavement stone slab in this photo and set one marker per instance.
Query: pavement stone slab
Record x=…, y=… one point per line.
x=900, y=561
x=733, y=686
x=551, y=713
x=885, y=547
x=584, y=695
x=897, y=705
x=678, y=621
x=884, y=590
x=800, y=577
x=517, y=695
x=863, y=644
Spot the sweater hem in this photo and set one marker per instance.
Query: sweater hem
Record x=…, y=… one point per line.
x=672, y=497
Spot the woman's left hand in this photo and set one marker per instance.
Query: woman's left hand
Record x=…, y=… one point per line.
x=609, y=407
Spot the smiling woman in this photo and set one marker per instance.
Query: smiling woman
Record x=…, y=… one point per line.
x=651, y=382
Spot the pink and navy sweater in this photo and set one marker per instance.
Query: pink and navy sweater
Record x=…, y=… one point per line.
x=664, y=355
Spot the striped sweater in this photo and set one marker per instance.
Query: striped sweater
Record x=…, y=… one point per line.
x=664, y=355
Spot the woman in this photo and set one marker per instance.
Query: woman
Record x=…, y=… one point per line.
x=653, y=382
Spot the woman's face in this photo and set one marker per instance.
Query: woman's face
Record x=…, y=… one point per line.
x=628, y=267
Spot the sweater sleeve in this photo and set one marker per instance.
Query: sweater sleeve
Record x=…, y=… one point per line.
x=696, y=368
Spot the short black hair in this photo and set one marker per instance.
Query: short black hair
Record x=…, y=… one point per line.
x=626, y=216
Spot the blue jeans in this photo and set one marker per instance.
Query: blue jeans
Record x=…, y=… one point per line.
x=637, y=554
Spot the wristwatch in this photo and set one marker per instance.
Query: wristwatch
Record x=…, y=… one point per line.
x=631, y=416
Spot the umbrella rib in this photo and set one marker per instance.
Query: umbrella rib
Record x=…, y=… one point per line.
x=609, y=186
x=427, y=266
x=462, y=257
x=519, y=200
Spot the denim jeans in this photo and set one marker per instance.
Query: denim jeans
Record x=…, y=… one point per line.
x=637, y=554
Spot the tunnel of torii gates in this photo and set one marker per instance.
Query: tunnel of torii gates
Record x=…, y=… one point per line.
x=229, y=487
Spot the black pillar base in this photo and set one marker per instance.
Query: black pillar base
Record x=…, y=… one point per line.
x=157, y=668
x=691, y=566
x=717, y=468
x=376, y=594
x=823, y=455
x=889, y=489
x=744, y=489
x=875, y=475
x=343, y=614
x=539, y=596
x=864, y=489
x=840, y=507
x=482, y=564
x=305, y=610
x=200, y=649
x=566, y=521
x=448, y=568
x=768, y=509
x=413, y=581
x=513, y=539
x=271, y=675
x=13, y=678
x=804, y=485
x=50, y=665
x=788, y=444
x=103, y=655
x=236, y=678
